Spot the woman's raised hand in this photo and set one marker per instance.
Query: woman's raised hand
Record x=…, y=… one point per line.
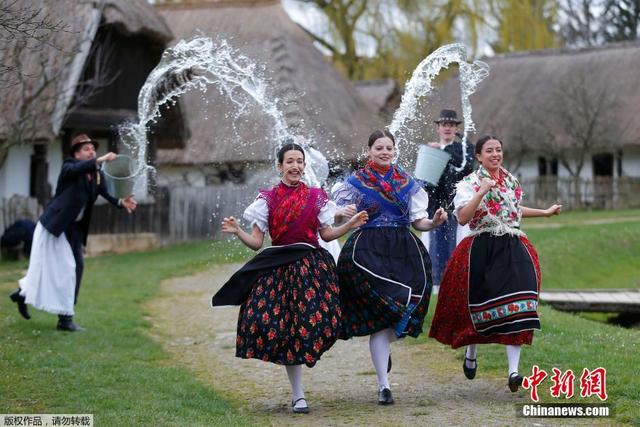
x=439, y=217
x=358, y=220
x=348, y=211
x=230, y=225
x=485, y=185
x=553, y=210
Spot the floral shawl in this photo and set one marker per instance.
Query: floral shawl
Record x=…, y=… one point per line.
x=499, y=211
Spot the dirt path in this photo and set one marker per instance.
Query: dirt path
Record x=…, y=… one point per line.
x=427, y=382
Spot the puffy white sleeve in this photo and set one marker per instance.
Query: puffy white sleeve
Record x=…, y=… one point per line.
x=464, y=193
x=258, y=213
x=419, y=203
x=343, y=194
x=326, y=214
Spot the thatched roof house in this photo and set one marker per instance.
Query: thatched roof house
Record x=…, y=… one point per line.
x=67, y=53
x=383, y=95
x=315, y=99
x=556, y=105
x=85, y=74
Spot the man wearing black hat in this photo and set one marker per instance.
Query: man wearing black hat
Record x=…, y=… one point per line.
x=442, y=240
x=56, y=264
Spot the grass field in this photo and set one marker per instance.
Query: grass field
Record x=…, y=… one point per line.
x=593, y=256
x=587, y=251
x=117, y=372
x=113, y=370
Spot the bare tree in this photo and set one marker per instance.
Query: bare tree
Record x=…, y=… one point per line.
x=577, y=122
x=343, y=16
x=579, y=22
x=24, y=26
x=42, y=63
x=623, y=18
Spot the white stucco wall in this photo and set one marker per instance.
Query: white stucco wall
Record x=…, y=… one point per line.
x=528, y=169
x=585, y=173
x=54, y=158
x=15, y=172
x=631, y=162
x=630, y=166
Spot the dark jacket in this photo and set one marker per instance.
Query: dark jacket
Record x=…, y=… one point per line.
x=441, y=195
x=73, y=192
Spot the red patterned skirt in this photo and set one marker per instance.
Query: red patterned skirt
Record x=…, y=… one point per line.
x=489, y=293
x=291, y=315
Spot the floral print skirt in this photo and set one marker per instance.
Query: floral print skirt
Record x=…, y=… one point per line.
x=489, y=293
x=385, y=282
x=292, y=314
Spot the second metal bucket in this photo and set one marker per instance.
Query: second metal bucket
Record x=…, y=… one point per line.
x=431, y=163
x=120, y=176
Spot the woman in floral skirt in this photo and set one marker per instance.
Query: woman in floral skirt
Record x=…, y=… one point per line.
x=489, y=292
x=288, y=293
x=384, y=269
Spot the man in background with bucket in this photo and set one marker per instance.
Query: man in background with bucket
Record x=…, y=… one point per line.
x=442, y=240
x=56, y=264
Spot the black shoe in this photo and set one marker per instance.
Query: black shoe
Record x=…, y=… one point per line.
x=385, y=397
x=515, y=381
x=470, y=373
x=22, y=307
x=300, y=409
x=389, y=364
x=66, y=323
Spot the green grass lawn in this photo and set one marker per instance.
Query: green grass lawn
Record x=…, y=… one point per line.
x=580, y=216
x=117, y=372
x=580, y=255
x=113, y=370
x=570, y=342
x=603, y=256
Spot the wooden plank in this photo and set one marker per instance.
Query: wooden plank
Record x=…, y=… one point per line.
x=617, y=300
x=633, y=297
x=593, y=297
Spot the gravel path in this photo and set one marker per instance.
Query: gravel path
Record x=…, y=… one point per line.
x=427, y=381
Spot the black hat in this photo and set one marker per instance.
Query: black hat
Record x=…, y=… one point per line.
x=448, y=116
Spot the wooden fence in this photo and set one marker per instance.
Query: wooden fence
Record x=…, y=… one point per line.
x=572, y=193
x=178, y=214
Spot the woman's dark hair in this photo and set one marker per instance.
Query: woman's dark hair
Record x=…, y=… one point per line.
x=376, y=135
x=483, y=140
x=288, y=147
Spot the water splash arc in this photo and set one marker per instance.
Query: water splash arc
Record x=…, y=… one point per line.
x=420, y=85
x=196, y=64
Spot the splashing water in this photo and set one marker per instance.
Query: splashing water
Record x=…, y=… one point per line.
x=420, y=85
x=196, y=64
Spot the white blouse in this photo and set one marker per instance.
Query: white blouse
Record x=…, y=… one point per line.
x=258, y=213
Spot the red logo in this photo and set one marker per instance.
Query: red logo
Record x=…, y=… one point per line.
x=534, y=381
x=594, y=383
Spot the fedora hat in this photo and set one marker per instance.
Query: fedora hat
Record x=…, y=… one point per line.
x=448, y=116
x=81, y=139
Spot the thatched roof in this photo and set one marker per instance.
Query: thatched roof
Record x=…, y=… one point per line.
x=530, y=88
x=62, y=55
x=313, y=96
x=377, y=92
x=137, y=17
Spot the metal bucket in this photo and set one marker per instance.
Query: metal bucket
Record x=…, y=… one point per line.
x=431, y=163
x=120, y=176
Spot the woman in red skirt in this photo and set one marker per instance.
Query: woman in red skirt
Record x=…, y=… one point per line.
x=489, y=292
